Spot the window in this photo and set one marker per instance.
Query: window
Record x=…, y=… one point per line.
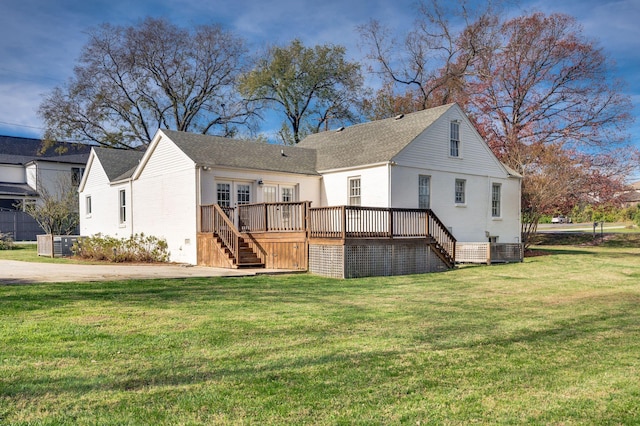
x=76, y=175
x=424, y=192
x=87, y=204
x=269, y=194
x=454, y=144
x=495, y=200
x=223, y=192
x=287, y=194
x=123, y=206
x=354, y=191
x=243, y=193
x=460, y=189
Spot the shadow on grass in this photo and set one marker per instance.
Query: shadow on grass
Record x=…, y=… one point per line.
x=609, y=240
x=258, y=367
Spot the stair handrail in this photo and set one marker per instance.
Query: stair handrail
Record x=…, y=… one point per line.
x=226, y=230
x=441, y=234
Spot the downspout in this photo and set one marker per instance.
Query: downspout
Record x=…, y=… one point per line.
x=198, y=198
x=389, y=164
x=132, y=213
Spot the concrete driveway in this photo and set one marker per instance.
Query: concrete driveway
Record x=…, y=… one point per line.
x=14, y=272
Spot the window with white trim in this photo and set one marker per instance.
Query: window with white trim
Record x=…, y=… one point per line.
x=495, y=199
x=87, y=205
x=243, y=194
x=270, y=193
x=287, y=194
x=460, y=191
x=223, y=194
x=424, y=192
x=454, y=139
x=122, y=197
x=354, y=191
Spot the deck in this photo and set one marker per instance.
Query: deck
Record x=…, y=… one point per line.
x=362, y=241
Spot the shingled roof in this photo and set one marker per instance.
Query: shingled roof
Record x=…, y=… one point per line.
x=218, y=151
x=20, y=151
x=17, y=189
x=370, y=143
x=118, y=164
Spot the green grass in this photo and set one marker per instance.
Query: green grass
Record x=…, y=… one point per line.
x=29, y=253
x=553, y=340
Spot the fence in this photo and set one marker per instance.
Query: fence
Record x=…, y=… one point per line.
x=20, y=225
x=488, y=252
x=56, y=245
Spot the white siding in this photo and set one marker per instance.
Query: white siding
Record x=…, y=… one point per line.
x=430, y=150
x=472, y=220
x=105, y=215
x=51, y=178
x=164, y=200
x=307, y=188
x=429, y=155
x=10, y=173
x=374, y=185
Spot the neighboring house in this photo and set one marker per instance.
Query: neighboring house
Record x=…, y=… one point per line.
x=26, y=173
x=631, y=197
x=405, y=183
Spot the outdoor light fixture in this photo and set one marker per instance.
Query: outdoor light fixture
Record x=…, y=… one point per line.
x=260, y=182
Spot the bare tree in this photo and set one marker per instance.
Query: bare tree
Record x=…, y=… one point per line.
x=431, y=65
x=130, y=81
x=56, y=209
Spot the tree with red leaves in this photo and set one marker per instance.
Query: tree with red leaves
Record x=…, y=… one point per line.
x=544, y=98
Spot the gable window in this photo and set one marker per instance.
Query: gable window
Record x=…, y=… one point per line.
x=87, y=204
x=223, y=194
x=495, y=200
x=460, y=191
x=354, y=191
x=122, y=197
x=243, y=193
x=424, y=192
x=454, y=140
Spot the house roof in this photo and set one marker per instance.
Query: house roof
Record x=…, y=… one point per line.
x=17, y=189
x=20, y=151
x=218, y=151
x=370, y=143
x=118, y=164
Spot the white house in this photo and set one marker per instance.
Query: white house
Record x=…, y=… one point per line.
x=26, y=174
x=158, y=192
x=400, y=167
x=429, y=159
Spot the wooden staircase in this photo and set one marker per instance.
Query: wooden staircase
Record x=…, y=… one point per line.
x=246, y=257
x=442, y=242
x=231, y=243
x=443, y=254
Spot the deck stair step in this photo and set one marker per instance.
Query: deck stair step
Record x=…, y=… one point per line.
x=247, y=258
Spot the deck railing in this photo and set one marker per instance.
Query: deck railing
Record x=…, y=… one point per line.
x=338, y=222
x=215, y=219
x=442, y=235
x=376, y=222
x=273, y=217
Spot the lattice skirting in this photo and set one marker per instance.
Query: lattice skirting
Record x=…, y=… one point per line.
x=373, y=258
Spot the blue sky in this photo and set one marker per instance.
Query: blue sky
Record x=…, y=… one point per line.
x=40, y=40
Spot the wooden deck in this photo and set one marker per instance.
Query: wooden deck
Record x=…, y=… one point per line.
x=280, y=234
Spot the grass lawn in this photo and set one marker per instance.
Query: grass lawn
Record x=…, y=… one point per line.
x=553, y=340
x=29, y=253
